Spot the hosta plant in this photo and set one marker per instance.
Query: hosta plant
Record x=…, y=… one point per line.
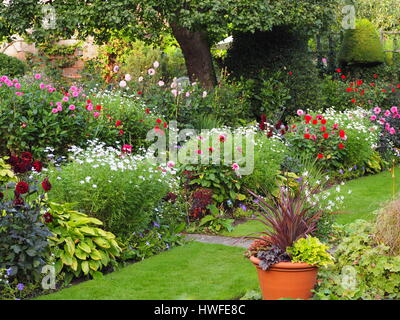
x=80, y=246
x=6, y=173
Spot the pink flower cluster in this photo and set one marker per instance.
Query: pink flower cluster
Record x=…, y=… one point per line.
x=73, y=91
x=11, y=83
x=382, y=117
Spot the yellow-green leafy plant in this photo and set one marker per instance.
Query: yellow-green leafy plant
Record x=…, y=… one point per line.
x=311, y=251
x=79, y=245
x=6, y=173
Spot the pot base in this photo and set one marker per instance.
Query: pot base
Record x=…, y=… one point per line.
x=286, y=280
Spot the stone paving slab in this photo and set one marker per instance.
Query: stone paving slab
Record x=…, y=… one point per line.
x=228, y=241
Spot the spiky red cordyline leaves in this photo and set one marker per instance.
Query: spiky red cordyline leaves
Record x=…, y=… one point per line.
x=286, y=217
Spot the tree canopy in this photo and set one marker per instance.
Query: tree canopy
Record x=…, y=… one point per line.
x=196, y=24
x=149, y=18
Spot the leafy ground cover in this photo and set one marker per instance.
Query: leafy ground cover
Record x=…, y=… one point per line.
x=192, y=271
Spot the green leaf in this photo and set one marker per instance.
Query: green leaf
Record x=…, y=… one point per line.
x=84, y=247
x=70, y=246
x=96, y=275
x=206, y=219
x=95, y=254
x=66, y=259
x=80, y=254
x=101, y=242
x=87, y=230
x=85, y=267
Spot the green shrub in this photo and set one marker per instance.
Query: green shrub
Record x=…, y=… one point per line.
x=363, y=268
x=122, y=118
x=261, y=56
x=339, y=140
x=24, y=249
x=361, y=46
x=27, y=122
x=10, y=66
x=120, y=189
x=79, y=245
x=268, y=157
x=135, y=58
x=219, y=181
x=189, y=103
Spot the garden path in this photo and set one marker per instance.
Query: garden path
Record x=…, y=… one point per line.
x=228, y=241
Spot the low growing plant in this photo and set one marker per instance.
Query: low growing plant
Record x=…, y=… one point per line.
x=80, y=247
x=119, y=188
x=363, y=269
x=311, y=251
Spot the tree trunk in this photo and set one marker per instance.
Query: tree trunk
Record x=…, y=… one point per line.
x=196, y=51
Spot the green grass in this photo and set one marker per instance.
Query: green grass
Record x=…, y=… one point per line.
x=193, y=271
x=245, y=229
x=368, y=194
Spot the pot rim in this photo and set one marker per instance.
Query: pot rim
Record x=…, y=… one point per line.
x=285, y=265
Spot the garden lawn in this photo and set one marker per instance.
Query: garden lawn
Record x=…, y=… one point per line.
x=368, y=194
x=193, y=271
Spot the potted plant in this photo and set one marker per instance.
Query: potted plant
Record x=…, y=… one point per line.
x=286, y=256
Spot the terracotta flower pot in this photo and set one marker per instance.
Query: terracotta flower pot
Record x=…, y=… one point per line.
x=286, y=280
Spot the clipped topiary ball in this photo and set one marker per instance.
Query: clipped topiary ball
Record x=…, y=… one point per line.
x=10, y=66
x=361, y=46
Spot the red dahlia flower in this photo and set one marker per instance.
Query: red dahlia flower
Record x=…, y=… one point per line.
x=22, y=187
x=320, y=156
x=48, y=217
x=46, y=185
x=37, y=165
x=27, y=156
